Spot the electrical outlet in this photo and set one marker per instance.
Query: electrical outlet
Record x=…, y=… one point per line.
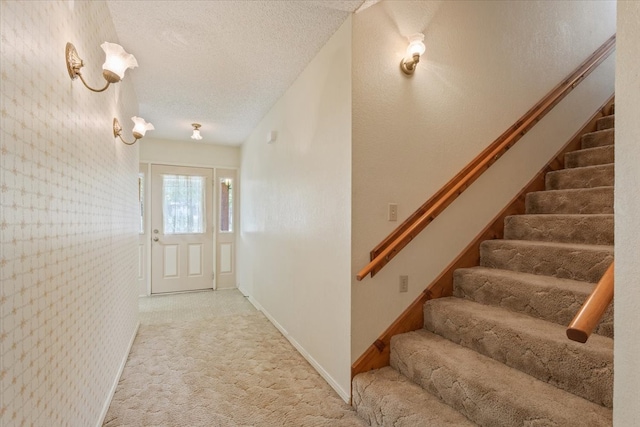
x=393, y=212
x=404, y=283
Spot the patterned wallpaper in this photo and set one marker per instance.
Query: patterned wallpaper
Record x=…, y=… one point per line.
x=68, y=220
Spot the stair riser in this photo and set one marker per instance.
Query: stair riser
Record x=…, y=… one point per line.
x=607, y=122
x=587, y=229
x=387, y=398
x=552, y=303
x=598, y=139
x=564, y=263
x=597, y=176
x=587, y=201
x=586, y=371
x=458, y=379
x=596, y=156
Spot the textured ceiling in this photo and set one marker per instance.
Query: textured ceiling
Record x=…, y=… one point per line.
x=220, y=63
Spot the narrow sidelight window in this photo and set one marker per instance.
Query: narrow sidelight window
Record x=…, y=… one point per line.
x=226, y=205
x=141, y=201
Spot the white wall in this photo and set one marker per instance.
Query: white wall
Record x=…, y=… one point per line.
x=187, y=153
x=486, y=64
x=626, y=411
x=68, y=300
x=294, y=249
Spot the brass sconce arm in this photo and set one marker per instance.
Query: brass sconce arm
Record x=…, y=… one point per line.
x=117, y=62
x=139, y=130
x=75, y=63
x=117, y=132
x=89, y=87
x=409, y=66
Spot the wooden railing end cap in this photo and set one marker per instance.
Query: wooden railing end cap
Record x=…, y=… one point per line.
x=577, y=335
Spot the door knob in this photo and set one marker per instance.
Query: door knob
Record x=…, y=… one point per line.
x=155, y=239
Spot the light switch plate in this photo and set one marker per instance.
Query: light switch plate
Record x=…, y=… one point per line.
x=393, y=212
x=404, y=283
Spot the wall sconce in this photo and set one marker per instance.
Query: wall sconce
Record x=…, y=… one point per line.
x=196, y=131
x=115, y=65
x=414, y=51
x=139, y=129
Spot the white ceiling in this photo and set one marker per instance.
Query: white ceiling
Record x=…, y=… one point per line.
x=220, y=63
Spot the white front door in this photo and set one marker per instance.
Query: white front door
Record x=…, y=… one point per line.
x=181, y=229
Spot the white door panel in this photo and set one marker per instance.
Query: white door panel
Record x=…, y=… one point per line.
x=226, y=258
x=195, y=259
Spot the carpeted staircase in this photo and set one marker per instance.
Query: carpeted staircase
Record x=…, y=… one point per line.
x=496, y=353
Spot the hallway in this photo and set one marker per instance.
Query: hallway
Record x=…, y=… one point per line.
x=211, y=359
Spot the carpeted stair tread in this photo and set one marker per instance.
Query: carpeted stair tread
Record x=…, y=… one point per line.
x=384, y=397
x=584, y=177
x=598, y=138
x=485, y=390
x=590, y=157
x=533, y=346
x=563, y=260
x=597, y=200
x=606, y=122
x=593, y=229
x=544, y=297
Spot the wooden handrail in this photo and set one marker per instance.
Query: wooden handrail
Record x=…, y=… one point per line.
x=593, y=308
x=412, y=226
x=377, y=355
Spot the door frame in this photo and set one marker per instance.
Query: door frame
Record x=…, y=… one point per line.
x=221, y=237
x=147, y=212
x=146, y=204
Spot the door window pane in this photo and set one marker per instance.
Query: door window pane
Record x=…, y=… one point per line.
x=226, y=204
x=183, y=204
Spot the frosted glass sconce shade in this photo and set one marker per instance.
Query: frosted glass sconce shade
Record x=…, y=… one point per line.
x=140, y=128
x=416, y=45
x=117, y=61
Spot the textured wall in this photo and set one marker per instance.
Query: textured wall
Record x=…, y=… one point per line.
x=68, y=227
x=486, y=64
x=295, y=221
x=626, y=411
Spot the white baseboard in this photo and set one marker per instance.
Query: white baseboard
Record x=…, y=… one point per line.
x=345, y=395
x=243, y=292
x=105, y=408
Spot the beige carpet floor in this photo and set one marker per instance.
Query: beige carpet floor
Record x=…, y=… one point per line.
x=211, y=359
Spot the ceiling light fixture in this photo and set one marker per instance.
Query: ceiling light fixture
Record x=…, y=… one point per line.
x=139, y=129
x=415, y=50
x=116, y=63
x=196, y=131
